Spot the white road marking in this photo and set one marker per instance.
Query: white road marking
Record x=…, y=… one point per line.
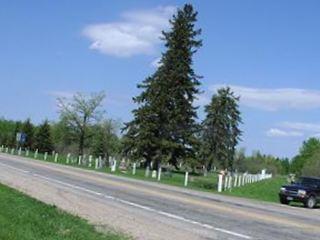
x=169, y=215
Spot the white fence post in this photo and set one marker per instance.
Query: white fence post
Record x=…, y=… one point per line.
x=27, y=153
x=19, y=151
x=159, y=174
x=56, y=157
x=45, y=156
x=235, y=180
x=147, y=171
x=186, y=177
x=90, y=161
x=114, y=165
x=68, y=158
x=36, y=154
x=96, y=163
x=220, y=180
x=134, y=169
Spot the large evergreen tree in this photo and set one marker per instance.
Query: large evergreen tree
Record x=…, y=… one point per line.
x=164, y=127
x=43, y=139
x=221, y=133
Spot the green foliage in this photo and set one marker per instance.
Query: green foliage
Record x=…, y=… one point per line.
x=23, y=218
x=312, y=165
x=7, y=132
x=43, y=139
x=105, y=141
x=220, y=129
x=79, y=113
x=308, y=149
x=164, y=127
x=258, y=161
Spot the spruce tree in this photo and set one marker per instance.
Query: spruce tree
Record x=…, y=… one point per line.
x=28, y=130
x=164, y=124
x=220, y=132
x=43, y=140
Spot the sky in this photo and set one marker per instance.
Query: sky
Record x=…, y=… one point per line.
x=267, y=51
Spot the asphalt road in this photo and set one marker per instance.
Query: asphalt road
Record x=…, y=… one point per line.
x=148, y=210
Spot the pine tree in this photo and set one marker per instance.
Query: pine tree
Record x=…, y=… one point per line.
x=164, y=126
x=43, y=140
x=220, y=132
x=28, y=130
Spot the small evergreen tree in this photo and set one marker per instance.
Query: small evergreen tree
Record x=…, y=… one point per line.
x=164, y=127
x=221, y=131
x=28, y=130
x=43, y=140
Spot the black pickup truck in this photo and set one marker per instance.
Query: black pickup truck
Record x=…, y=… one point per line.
x=306, y=190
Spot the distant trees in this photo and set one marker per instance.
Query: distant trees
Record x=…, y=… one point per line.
x=307, y=161
x=42, y=139
x=7, y=132
x=164, y=127
x=220, y=129
x=105, y=142
x=79, y=113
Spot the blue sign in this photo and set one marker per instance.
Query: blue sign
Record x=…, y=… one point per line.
x=21, y=137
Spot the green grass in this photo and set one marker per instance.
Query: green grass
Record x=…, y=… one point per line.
x=266, y=190
x=24, y=218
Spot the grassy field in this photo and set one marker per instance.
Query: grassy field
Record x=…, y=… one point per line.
x=266, y=190
x=23, y=218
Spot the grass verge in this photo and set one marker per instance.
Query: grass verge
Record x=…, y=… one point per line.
x=24, y=218
x=266, y=190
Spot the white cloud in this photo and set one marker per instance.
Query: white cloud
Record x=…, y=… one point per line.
x=302, y=126
x=275, y=99
x=138, y=32
x=275, y=132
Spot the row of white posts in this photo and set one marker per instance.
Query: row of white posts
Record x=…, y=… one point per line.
x=227, y=182
x=69, y=159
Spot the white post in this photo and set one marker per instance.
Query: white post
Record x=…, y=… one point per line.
x=147, y=171
x=100, y=162
x=220, y=180
x=230, y=182
x=154, y=174
x=36, y=154
x=1, y=149
x=12, y=151
x=159, y=174
x=96, y=163
x=19, y=151
x=79, y=160
x=226, y=182
x=239, y=180
x=134, y=169
x=7, y=149
x=56, y=157
x=45, y=156
x=90, y=161
x=68, y=158
x=27, y=153
x=114, y=165
x=235, y=181
x=186, y=177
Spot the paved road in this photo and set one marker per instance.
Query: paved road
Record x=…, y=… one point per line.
x=154, y=211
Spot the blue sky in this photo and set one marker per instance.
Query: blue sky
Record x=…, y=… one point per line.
x=267, y=51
